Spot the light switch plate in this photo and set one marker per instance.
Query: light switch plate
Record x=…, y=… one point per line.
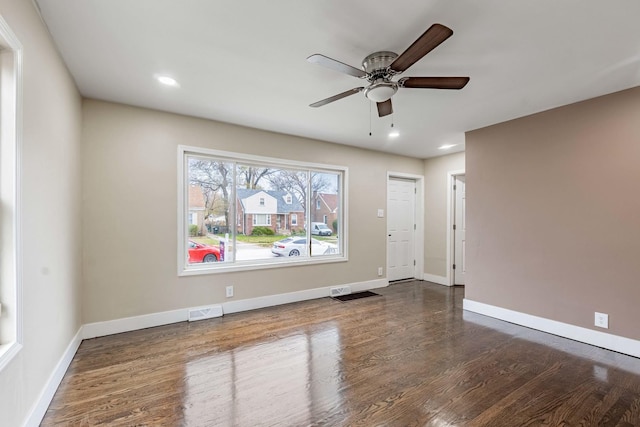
x=380, y=213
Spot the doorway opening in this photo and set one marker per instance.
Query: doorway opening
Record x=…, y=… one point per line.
x=457, y=231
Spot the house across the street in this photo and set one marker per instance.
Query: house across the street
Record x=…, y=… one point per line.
x=278, y=210
x=325, y=209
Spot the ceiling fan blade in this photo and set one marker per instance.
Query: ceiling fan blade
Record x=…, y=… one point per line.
x=341, y=67
x=385, y=108
x=336, y=97
x=428, y=41
x=434, y=82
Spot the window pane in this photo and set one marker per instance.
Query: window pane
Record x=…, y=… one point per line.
x=270, y=207
x=326, y=218
x=209, y=210
x=248, y=212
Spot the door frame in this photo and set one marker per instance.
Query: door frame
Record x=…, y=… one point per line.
x=451, y=177
x=418, y=251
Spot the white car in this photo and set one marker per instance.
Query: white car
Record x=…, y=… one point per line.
x=320, y=228
x=297, y=246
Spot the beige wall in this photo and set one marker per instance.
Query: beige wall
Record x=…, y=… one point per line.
x=553, y=214
x=436, y=172
x=51, y=223
x=130, y=211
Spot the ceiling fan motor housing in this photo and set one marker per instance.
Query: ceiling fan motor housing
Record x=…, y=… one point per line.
x=377, y=64
x=378, y=72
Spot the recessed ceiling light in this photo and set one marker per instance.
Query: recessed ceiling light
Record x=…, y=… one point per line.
x=168, y=81
x=446, y=146
x=394, y=134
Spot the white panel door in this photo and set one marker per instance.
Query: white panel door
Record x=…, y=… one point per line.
x=459, y=231
x=401, y=201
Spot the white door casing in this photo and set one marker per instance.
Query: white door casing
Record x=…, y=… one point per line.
x=459, y=230
x=401, y=200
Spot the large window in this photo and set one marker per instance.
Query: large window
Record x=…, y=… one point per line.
x=253, y=212
x=10, y=135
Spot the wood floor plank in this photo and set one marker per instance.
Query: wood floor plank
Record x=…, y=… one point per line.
x=407, y=358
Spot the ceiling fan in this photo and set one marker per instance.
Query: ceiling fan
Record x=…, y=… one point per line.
x=379, y=68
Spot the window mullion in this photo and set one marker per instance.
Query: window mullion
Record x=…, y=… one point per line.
x=232, y=208
x=307, y=214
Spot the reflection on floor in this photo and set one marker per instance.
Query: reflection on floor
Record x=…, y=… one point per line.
x=408, y=357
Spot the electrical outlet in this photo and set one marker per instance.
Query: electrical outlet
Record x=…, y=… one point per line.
x=229, y=291
x=379, y=271
x=380, y=213
x=602, y=320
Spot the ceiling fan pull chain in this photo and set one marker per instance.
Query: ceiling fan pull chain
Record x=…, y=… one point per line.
x=369, y=118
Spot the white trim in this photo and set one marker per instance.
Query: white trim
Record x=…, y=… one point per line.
x=11, y=142
x=566, y=330
x=419, y=218
x=37, y=412
x=127, y=324
x=279, y=299
x=8, y=351
x=450, y=220
x=260, y=160
x=224, y=267
x=280, y=262
x=182, y=202
x=440, y=280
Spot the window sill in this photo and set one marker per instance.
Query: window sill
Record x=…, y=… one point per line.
x=217, y=268
x=8, y=352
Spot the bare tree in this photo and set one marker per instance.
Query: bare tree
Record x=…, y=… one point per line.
x=251, y=175
x=213, y=177
x=295, y=182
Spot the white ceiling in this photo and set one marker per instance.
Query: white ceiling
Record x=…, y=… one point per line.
x=244, y=62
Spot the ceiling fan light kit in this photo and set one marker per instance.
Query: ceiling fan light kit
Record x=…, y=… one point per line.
x=381, y=91
x=379, y=68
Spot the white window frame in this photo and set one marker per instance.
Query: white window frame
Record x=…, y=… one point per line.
x=185, y=269
x=11, y=335
x=294, y=219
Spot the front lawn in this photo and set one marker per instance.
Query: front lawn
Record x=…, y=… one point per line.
x=205, y=240
x=265, y=241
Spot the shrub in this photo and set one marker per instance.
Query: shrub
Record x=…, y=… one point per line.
x=335, y=225
x=262, y=231
x=193, y=230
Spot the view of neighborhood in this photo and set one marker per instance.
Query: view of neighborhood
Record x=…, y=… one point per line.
x=269, y=217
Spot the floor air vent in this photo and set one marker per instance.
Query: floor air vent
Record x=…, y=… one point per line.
x=357, y=295
x=201, y=313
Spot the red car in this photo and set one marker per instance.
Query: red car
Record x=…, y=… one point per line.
x=202, y=253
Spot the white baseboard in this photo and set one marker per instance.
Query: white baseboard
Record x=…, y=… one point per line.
x=440, y=280
x=566, y=330
x=279, y=299
x=46, y=395
x=110, y=327
x=126, y=324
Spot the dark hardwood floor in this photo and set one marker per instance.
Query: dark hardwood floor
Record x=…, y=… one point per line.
x=410, y=357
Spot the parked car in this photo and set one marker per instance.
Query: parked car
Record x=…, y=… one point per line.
x=320, y=229
x=199, y=252
x=297, y=246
